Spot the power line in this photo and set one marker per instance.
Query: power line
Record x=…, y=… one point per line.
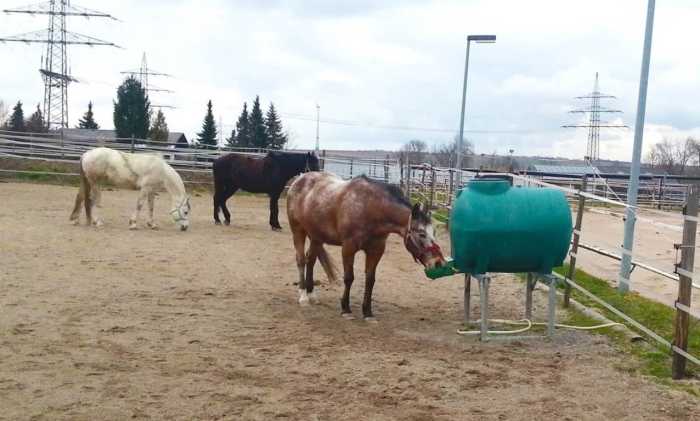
x=594, y=124
x=350, y=123
x=55, y=70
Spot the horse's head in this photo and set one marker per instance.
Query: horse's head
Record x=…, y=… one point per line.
x=181, y=213
x=420, y=239
x=312, y=163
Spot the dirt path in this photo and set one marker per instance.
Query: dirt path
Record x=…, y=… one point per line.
x=653, y=244
x=117, y=324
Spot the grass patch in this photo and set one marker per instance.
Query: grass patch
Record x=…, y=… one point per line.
x=655, y=360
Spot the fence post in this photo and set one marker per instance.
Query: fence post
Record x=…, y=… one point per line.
x=685, y=282
x=408, y=179
x=350, y=167
x=323, y=160
x=661, y=192
x=577, y=237
x=386, y=169
x=432, y=188
x=133, y=141
x=449, y=193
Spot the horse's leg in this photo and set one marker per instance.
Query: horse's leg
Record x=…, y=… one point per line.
x=348, y=252
x=219, y=188
x=299, y=245
x=311, y=257
x=143, y=195
x=274, y=211
x=373, y=254
x=230, y=190
x=151, y=204
x=97, y=203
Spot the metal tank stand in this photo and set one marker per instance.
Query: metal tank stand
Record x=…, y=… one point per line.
x=532, y=278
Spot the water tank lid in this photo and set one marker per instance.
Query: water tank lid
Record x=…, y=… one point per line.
x=489, y=186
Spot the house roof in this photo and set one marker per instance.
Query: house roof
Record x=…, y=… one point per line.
x=173, y=137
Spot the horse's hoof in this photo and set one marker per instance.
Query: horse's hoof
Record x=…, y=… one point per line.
x=217, y=223
x=75, y=222
x=348, y=316
x=314, y=298
x=371, y=319
x=153, y=226
x=303, y=298
x=276, y=228
x=133, y=227
x=227, y=223
x=98, y=223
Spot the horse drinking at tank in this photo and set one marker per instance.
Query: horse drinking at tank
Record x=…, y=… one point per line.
x=269, y=174
x=147, y=173
x=358, y=214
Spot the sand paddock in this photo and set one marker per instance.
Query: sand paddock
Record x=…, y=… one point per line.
x=116, y=324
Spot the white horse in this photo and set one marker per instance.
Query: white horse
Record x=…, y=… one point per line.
x=144, y=172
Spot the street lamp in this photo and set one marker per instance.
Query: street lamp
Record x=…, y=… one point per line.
x=478, y=39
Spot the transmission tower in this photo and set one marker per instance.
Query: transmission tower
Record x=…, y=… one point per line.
x=55, y=71
x=141, y=74
x=594, y=123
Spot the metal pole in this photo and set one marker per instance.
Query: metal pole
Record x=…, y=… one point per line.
x=467, y=298
x=577, y=238
x=628, y=244
x=460, y=141
x=685, y=283
x=318, y=118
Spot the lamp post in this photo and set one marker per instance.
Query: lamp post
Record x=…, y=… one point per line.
x=478, y=39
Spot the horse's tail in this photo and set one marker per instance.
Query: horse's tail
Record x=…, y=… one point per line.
x=328, y=265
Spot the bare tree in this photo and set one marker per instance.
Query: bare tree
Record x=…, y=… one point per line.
x=414, y=150
x=673, y=155
x=445, y=155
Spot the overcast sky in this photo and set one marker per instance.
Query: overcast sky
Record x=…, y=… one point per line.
x=377, y=64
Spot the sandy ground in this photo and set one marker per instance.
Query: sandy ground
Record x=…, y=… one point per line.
x=115, y=324
x=653, y=245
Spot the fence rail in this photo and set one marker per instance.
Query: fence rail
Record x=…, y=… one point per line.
x=54, y=147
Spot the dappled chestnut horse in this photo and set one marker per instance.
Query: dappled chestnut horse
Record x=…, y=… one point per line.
x=358, y=214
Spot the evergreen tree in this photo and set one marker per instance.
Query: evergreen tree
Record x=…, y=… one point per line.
x=132, y=110
x=16, y=122
x=243, y=129
x=36, y=123
x=258, y=137
x=231, y=141
x=273, y=128
x=208, y=134
x=88, y=120
x=159, y=128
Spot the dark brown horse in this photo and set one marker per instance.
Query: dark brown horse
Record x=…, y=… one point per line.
x=357, y=215
x=254, y=174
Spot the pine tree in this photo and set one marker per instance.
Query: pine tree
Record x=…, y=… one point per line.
x=159, y=128
x=16, y=122
x=231, y=141
x=88, y=120
x=132, y=110
x=243, y=129
x=273, y=129
x=208, y=134
x=258, y=137
x=36, y=123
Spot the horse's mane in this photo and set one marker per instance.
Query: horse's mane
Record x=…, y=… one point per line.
x=394, y=192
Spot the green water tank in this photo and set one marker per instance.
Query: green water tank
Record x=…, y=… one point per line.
x=496, y=227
